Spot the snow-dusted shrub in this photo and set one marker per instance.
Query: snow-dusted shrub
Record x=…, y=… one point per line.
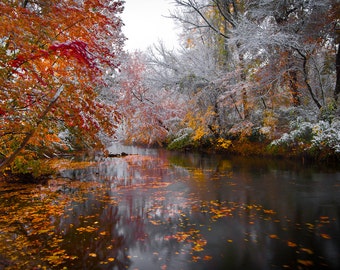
x=301, y=133
x=327, y=134
x=321, y=135
x=182, y=139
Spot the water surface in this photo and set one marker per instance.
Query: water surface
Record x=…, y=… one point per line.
x=156, y=209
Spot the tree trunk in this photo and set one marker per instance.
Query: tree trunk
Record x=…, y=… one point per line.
x=337, y=85
x=24, y=3
x=305, y=76
x=294, y=88
x=245, y=104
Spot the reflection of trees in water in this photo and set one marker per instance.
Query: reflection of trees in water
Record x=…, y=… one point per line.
x=92, y=233
x=125, y=171
x=101, y=233
x=148, y=214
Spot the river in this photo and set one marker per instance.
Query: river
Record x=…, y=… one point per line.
x=155, y=209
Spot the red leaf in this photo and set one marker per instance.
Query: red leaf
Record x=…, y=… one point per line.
x=2, y=112
x=76, y=49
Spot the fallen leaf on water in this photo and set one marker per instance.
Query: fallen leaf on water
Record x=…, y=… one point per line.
x=155, y=222
x=93, y=255
x=199, y=244
x=305, y=262
x=271, y=212
x=207, y=258
x=111, y=259
x=325, y=236
x=86, y=229
x=273, y=236
x=197, y=248
x=307, y=250
x=291, y=244
x=195, y=258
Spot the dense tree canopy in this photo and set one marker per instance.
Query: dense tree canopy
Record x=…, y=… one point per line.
x=52, y=58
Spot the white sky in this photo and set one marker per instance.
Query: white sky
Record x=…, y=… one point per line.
x=145, y=24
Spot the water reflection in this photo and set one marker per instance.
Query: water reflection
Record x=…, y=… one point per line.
x=164, y=210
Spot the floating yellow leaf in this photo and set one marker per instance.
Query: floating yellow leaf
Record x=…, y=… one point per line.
x=307, y=250
x=86, y=229
x=271, y=212
x=93, y=255
x=155, y=222
x=197, y=248
x=199, y=244
x=111, y=259
x=273, y=236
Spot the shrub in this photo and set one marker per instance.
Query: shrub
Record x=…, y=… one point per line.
x=319, y=137
x=327, y=135
x=182, y=139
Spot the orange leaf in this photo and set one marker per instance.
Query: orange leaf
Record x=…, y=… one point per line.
x=291, y=244
x=325, y=236
x=305, y=262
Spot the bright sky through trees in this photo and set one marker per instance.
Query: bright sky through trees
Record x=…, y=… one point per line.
x=145, y=24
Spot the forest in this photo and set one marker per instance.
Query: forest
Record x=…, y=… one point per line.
x=251, y=77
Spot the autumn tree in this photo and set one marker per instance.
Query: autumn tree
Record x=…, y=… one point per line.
x=52, y=57
x=150, y=112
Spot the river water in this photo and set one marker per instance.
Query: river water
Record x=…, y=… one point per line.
x=156, y=209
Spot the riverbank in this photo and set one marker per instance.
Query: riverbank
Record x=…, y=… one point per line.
x=253, y=148
x=245, y=147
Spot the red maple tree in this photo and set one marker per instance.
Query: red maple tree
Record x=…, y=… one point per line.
x=52, y=58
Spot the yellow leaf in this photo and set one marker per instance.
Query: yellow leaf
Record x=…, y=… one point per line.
x=197, y=248
x=307, y=250
x=271, y=212
x=93, y=255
